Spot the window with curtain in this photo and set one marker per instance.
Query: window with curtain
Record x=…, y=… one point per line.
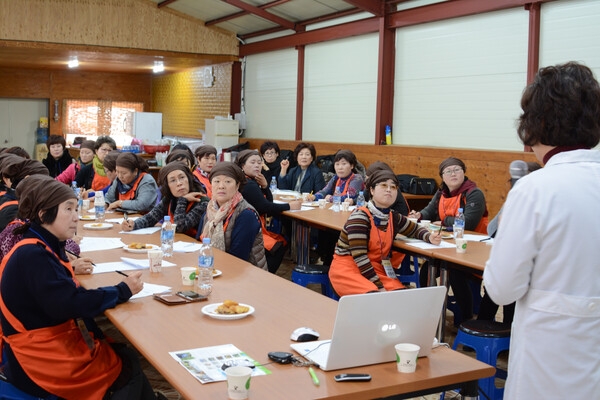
x=94, y=118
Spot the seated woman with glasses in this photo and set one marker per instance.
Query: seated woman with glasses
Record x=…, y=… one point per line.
x=182, y=199
x=272, y=161
x=456, y=191
x=364, y=260
x=207, y=158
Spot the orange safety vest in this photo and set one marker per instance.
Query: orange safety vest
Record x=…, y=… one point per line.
x=379, y=248
x=9, y=203
x=130, y=194
x=205, y=182
x=192, y=231
x=57, y=358
x=99, y=182
x=345, y=188
x=448, y=207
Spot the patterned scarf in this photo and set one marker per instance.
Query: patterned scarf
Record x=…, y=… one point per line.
x=98, y=166
x=215, y=215
x=380, y=216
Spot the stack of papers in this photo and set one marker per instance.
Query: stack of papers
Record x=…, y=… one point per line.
x=126, y=264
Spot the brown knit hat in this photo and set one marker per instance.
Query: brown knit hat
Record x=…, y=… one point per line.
x=451, y=161
x=40, y=192
x=244, y=155
x=20, y=169
x=377, y=166
x=228, y=169
x=204, y=150
x=88, y=144
x=378, y=176
x=7, y=159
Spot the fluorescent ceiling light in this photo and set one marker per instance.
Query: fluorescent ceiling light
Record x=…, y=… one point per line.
x=73, y=62
x=159, y=66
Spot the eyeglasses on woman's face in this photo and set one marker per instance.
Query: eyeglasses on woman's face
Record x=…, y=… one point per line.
x=387, y=186
x=452, y=171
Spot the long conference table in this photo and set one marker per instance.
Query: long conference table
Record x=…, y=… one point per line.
x=281, y=306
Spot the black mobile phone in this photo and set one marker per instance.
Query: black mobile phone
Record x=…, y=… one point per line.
x=352, y=377
x=281, y=357
x=191, y=295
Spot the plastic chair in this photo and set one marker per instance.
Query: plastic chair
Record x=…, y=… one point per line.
x=488, y=339
x=304, y=275
x=407, y=275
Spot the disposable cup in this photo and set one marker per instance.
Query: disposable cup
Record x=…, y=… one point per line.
x=406, y=357
x=461, y=245
x=415, y=220
x=155, y=260
x=188, y=275
x=85, y=205
x=425, y=223
x=305, y=196
x=238, y=382
x=322, y=203
x=345, y=206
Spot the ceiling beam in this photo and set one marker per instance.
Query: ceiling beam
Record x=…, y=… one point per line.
x=262, y=13
x=355, y=28
x=242, y=13
x=375, y=7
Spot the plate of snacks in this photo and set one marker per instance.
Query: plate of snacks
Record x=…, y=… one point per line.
x=217, y=272
x=98, y=226
x=229, y=309
x=140, y=247
x=447, y=235
x=87, y=217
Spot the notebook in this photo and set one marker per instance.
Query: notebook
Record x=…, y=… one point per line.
x=367, y=326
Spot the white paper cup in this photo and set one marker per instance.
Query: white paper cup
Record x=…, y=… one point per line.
x=85, y=205
x=345, y=206
x=461, y=245
x=415, y=220
x=155, y=260
x=322, y=203
x=406, y=357
x=238, y=382
x=425, y=223
x=188, y=275
x=305, y=196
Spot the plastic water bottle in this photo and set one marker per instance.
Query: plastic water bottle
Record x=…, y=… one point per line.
x=459, y=224
x=77, y=192
x=360, y=200
x=99, y=206
x=206, y=262
x=273, y=185
x=166, y=237
x=337, y=199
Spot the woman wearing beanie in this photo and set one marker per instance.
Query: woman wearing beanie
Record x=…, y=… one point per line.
x=364, y=260
x=134, y=189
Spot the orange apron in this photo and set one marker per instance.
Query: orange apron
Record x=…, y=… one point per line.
x=99, y=182
x=130, y=194
x=448, y=207
x=9, y=203
x=57, y=358
x=345, y=275
x=205, y=182
x=345, y=188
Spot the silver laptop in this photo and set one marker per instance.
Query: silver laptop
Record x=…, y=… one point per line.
x=367, y=326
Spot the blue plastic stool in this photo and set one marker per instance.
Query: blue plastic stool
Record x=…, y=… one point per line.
x=407, y=275
x=488, y=339
x=304, y=275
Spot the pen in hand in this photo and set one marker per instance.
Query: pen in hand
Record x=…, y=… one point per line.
x=314, y=377
x=122, y=273
x=77, y=256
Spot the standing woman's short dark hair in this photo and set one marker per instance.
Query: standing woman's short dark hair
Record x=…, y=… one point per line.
x=269, y=145
x=303, y=145
x=561, y=107
x=132, y=162
x=56, y=139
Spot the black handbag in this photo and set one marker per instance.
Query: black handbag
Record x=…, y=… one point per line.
x=404, y=180
x=422, y=186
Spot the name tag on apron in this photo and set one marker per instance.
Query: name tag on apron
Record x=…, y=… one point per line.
x=389, y=270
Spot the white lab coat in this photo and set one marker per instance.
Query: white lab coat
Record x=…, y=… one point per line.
x=546, y=257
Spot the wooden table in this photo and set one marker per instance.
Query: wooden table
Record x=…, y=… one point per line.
x=281, y=306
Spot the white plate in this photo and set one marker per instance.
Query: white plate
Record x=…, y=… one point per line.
x=217, y=272
x=210, y=311
x=311, y=204
x=152, y=247
x=288, y=192
x=89, y=217
x=447, y=235
x=98, y=226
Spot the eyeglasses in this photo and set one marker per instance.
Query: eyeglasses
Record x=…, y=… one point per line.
x=386, y=186
x=452, y=171
x=105, y=149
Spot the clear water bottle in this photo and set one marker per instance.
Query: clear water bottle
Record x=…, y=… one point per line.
x=99, y=205
x=459, y=224
x=77, y=192
x=337, y=199
x=166, y=237
x=206, y=262
x=273, y=185
x=360, y=200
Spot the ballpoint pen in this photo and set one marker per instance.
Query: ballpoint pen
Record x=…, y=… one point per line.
x=314, y=377
x=75, y=255
x=125, y=216
x=121, y=273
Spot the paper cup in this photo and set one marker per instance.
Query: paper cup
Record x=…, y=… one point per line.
x=461, y=245
x=188, y=275
x=238, y=382
x=322, y=203
x=345, y=206
x=425, y=223
x=305, y=196
x=406, y=357
x=155, y=260
x=85, y=205
x=415, y=220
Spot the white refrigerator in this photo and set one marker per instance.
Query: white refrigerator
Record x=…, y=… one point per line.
x=146, y=126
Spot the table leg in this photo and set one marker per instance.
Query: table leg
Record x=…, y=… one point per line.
x=302, y=241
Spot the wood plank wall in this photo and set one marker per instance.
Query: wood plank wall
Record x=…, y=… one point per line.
x=488, y=169
x=60, y=85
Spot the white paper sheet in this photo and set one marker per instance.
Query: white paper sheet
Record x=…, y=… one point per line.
x=143, y=231
x=149, y=289
x=423, y=245
x=127, y=264
x=120, y=220
x=186, y=247
x=100, y=243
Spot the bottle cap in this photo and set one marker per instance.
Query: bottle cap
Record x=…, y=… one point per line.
x=460, y=210
x=167, y=218
x=206, y=241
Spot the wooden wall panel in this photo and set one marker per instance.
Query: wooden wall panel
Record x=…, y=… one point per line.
x=60, y=85
x=488, y=169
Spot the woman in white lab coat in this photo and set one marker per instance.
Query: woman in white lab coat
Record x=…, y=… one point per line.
x=546, y=253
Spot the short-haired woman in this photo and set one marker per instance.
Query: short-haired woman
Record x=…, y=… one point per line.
x=58, y=158
x=305, y=177
x=134, y=189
